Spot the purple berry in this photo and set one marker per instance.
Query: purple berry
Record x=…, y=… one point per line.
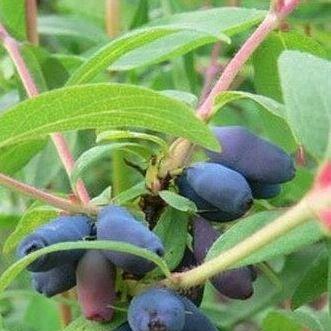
x=96, y=286
x=255, y=158
x=264, y=191
x=157, y=309
x=55, y=281
x=61, y=229
x=116, y=223
x=220, y=194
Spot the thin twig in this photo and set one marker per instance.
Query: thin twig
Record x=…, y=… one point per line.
x=112, y=17
x=31, y=21
x=46, y=197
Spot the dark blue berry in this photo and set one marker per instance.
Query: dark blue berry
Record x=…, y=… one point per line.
x=220, y=194
x=61, y=229
x=55, y=281
x=124, y=327
x=157, y=309
x=234, y=283
x=116, y=223
x=255, y=158
x=264, y=191
x=195, y=320
x=96, y=286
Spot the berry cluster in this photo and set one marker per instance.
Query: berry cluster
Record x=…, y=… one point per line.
x=223, y=190
x=92, y=271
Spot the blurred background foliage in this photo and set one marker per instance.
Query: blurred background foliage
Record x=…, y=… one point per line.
x=70, y=31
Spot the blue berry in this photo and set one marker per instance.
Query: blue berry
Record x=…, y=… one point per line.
x=234, y=283
x=195, y=320
x=124, y=327
x=255, y=158
x=116, y=223
x=220, y=194
x=55, y=281
x=264, y=191
x=61, y=229
x=157, y=309
x=96, y=286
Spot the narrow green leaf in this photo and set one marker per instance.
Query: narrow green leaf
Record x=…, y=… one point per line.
x=313, y=284
x=120, y=134
x=12, y=15
x=178, y=202
x=102, y=106
x=188, y=98
x=114, y=50
x=13, y=271
x=32, y=218
x=172, y=229
x=95, y=154
x=14, y=158
x=130, y=194
x=296, y=239
x=272, y=114
x=71, y=27
x=104, y=198
x=308, y=106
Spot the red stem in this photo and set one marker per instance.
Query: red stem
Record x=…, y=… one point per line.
x=235, y=65
x=13, y=49
x=46, y=197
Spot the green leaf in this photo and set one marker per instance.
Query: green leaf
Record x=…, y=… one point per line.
x=95, y=154
x=266, y=77
x=32, y=219
x=272, y=114
x=141, y=15
x=296, y=239
x=14, y=158
x=278, y=321
x=130, y=194
x=114, y=50
x=172, y=229
x=314, y=282
x=12, y=15
x=42, y=314
x=102, y=106
x=189, y=98
x=71, y=27
x=178, y=202
x=120, y=134
x=308, y=106
x=205, y=27
x=215, y=21
x=81, y=324
x=103, y=198
x=13, y=271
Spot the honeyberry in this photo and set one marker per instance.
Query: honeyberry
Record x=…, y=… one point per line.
x=220, y=194
x=255, y=158
x=195, y=320
x=96, y=286
x=116, y=223
x=124, y=327
x=60, y=229
x=56, y=280
x=157, y=309
x=234, y=283
x=264, y=191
